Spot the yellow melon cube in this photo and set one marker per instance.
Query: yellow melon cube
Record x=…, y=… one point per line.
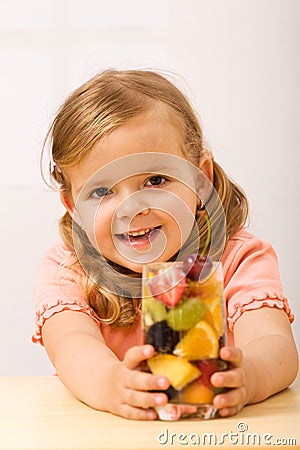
x=178, y=370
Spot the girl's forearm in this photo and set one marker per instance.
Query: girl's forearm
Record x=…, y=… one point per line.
x=270, y=364
x=85, y=365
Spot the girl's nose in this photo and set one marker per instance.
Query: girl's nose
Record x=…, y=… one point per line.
x=132, y=205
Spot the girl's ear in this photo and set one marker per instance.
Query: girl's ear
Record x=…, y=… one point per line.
x=68, y=203
x=205, y=183
x=206, y=166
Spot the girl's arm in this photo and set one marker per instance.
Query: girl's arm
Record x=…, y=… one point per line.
x=266, y=340
x=265, y=360
x=92, y=372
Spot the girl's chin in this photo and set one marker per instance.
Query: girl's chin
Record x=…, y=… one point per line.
x=124, y=266
x=137, y=269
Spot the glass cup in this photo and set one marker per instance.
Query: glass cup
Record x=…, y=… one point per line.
x=184, y=319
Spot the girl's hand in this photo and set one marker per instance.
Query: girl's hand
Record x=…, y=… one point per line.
x=234, y=400
x=129, y=393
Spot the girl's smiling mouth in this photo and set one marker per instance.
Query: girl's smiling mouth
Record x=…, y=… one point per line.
x=139, y=238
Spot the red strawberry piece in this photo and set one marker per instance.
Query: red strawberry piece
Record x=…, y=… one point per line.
x=207, y=368
x=168, y=286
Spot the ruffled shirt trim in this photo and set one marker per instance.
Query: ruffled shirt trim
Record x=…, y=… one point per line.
x=46, y=311
x=257, y=300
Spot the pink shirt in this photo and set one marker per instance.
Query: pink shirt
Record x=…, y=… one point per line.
x=251, y=280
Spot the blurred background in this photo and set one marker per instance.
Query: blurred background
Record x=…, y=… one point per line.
x=238, y=62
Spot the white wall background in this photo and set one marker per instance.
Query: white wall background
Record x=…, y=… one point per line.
x=238, y=60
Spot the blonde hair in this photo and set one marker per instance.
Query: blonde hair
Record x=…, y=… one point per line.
x=99, y=106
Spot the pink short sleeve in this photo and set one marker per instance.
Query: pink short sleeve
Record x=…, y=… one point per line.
x=251, y=277
x=57, y=288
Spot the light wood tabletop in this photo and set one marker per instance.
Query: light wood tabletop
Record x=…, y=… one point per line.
x=39, y=413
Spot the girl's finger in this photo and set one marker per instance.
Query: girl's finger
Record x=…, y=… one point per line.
x=144, y=399
x=232, y=354
x=227, y=412
x=131, y=412
x=230, y=378
x=232, y=399
x=142, y=381
x=135, y=355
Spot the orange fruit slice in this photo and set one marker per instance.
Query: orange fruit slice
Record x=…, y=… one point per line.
x=200, y=342
x=208, y=289
x=179, y=371
x=214, y=316
x=197, y=393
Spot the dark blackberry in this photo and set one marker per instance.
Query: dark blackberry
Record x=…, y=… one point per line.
x=162, y=337
x=172, y=394
x=221, y=341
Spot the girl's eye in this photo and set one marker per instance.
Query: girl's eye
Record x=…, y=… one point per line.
x=100, y=192
x=156, y=180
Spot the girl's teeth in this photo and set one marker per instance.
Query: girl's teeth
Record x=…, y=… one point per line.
x=139, y=233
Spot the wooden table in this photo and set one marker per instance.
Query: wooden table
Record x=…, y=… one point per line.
x=39, y=413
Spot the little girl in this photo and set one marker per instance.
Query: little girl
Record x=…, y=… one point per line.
x=123, y=148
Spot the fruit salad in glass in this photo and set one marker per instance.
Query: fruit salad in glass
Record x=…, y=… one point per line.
x=183, y=318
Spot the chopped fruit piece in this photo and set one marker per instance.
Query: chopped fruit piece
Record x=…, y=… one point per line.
x=186, y=314
x=207, y=367
x=155, y=309
x=214, y=316
x=171, y=393
x=197, y=393
x=196, y=267
x=200, y=342
x=179, y=371
x=168, y=286
x=209, y=289
x=162, y=337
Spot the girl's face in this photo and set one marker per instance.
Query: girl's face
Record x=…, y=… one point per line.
x=134, y=193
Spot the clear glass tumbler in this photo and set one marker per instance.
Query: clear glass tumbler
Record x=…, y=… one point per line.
x=184, y=320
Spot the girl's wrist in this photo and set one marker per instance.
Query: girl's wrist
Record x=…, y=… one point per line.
x=255, y=381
